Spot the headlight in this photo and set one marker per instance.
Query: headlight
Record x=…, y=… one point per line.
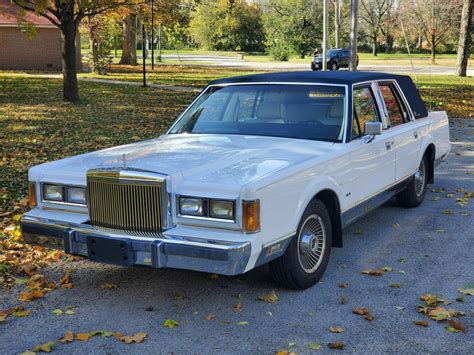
x=221, y=209
x=76, y=195
x=191, y=206
x=53, y=192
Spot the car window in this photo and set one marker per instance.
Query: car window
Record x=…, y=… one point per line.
x=364, y=110
x=313, y=112
x=395, y=113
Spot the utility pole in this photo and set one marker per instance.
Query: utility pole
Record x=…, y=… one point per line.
x=152, y=35
x=325, y=34
x=353, y=35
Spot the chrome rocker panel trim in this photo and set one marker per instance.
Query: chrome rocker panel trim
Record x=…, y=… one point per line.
x=226, y=258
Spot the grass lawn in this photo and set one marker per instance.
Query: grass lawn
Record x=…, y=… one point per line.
x=37, y=126
x=184, y=75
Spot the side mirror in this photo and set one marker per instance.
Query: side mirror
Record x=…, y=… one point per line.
x=373, y=128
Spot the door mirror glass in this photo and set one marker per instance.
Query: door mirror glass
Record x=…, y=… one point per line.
x=372, y=128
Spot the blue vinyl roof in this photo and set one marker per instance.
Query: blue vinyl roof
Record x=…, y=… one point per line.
x=335, y=77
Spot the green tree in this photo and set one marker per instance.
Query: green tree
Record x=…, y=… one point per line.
x=67, y=16
x=227, y=25
x=297, y=23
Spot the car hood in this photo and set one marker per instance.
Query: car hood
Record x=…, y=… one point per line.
x=219, y=159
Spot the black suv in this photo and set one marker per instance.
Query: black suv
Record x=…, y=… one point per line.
x=336, y=58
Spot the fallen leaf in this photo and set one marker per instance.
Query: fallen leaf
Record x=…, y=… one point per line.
x=467, y=291
x=337, y=345
x=360, y=311
x=371, y=272
x=213, y=276
x=421, y=323
x=439, y=314
x=117, y=335
x=337, y=329
x=68, y=286
x=179, y=296
x=137, y=338
x=454, y=313
x=57, y=312
x=171, y=323
x=342, y=300
x=108, y=286
x=21, y=313
x=242, y=323
x=387, y=269
x=68, y=337
x=314, y=346
x=45, y=348
x=102, y=333
x=210, y=317
x=396, y=225
x=237, y=307
x=395, y=285
x=431, y=300
x=82, y=336
x=69, y=312
x=456, y=325
x=269, y=298
x=66, y=279
x=344, y=285
x=268, y=313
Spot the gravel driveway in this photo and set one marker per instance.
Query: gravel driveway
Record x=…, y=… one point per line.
x=430, y=251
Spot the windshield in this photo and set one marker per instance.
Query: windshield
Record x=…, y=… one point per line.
x=313, y=112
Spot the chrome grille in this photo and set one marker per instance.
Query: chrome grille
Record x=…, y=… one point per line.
x=131, y=205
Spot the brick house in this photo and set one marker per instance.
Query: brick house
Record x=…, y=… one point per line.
x=19, y=50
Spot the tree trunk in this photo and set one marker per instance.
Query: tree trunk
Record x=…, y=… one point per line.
x=374, y=45
x=68, y=52
x=337, y=21
x=353, y=34
x=433, y=49
x=94, y=44
x=464, y=38
x=129, y=49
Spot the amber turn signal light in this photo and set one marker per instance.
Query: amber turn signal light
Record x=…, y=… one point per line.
x=251, y=216
x=32, y=193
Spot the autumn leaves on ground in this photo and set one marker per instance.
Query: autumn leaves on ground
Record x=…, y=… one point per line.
x=36, y=126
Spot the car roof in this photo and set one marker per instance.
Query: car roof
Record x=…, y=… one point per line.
x=334, y=77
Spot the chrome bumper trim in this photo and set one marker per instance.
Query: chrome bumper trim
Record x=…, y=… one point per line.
x=170, y=251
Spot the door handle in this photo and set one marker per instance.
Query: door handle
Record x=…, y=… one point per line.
x=415, y=134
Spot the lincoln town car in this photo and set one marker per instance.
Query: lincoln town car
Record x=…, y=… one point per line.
x=266, y=168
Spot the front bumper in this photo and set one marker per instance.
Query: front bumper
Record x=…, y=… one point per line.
x=226, y=258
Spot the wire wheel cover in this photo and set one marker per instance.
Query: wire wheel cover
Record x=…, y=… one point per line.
x=311, y=243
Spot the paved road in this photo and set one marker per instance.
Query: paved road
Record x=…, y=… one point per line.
x=437, y=251
x=228, y=61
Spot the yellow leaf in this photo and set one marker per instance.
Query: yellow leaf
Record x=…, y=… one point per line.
x=337, y=329
x=108, y=286
x=82, y=336
x=269, y=298
x=57, y=312
x=137, y=338
x=68, y=337
x=439, y=314
x=210, y=317
x=45, y=348
x=170, y=323
x=21, y=313
x=467, y=291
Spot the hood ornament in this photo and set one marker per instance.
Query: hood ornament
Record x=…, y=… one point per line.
x=124, y=161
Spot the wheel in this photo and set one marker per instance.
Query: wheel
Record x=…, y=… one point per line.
x=333, y=66
x=414, y=193
x=307, y=256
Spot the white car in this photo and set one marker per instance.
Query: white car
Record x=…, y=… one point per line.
x=259, y=168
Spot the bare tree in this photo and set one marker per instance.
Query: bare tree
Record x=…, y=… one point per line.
x=435, y=18
x=374, y=13
x=465, y=38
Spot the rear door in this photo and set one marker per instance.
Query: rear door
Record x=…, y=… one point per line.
x=403, y=128
x=372, y=158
